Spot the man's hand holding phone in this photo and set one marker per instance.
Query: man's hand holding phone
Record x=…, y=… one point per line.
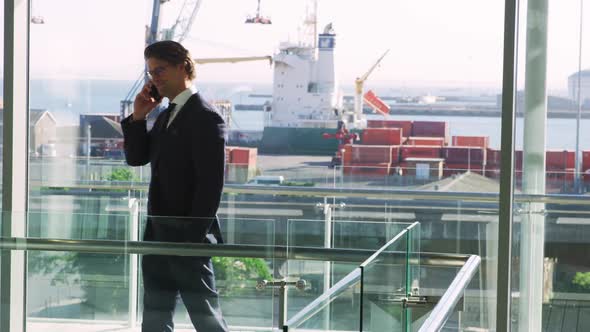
x=145, y=101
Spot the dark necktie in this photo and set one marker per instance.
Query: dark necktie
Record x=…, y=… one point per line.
x=167, y=112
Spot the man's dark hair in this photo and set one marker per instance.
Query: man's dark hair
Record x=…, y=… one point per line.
x=173, y=53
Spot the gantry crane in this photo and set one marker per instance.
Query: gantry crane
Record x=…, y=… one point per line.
x=358, y=83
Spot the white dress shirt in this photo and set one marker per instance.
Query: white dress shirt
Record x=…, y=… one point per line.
x=180, y=100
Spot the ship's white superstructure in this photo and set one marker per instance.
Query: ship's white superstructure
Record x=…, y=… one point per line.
x=306, y=91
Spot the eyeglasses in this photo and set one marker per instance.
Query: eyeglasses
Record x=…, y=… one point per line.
x=157, y=71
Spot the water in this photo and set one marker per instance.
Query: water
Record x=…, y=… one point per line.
x=69, y=98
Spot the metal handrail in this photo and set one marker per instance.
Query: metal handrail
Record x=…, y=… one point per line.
x=221, y=250
x=387, y=245
x=445, y=307
x=323, y=300
x=358, y=192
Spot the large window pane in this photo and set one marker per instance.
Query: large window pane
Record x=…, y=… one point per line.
x=441, y=79
x=549, y=268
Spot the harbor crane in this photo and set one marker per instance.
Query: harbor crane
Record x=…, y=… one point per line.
x=258, y=19
x=358, y=83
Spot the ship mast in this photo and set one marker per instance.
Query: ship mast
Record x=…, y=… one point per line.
x=310, y=25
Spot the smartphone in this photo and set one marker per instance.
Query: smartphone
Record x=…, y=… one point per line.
x=155, y=94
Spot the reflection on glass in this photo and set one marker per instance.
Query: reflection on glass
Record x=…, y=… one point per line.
x=79, y=286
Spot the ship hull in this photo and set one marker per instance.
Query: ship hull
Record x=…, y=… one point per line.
x=297, y=141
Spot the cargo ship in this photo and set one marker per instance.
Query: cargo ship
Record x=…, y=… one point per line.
x=307, y=101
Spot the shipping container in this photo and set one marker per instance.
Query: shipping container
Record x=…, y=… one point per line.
x=236, y=173
x=464, y=155
x=228, y=150
x=459, y=168
x=427, y=141
x=494, y=173
x=431, y=129
x=406, y=126
x=558, y=180
x=368, y=154
x=382, y=136
x=474, y=141
x=494, y=159
x=559, y=160
x=585, y=160
x=244, y=156
x=423, y=168
x=395, y=155
x=408, y=151
x=347, y=154
x=381, y=169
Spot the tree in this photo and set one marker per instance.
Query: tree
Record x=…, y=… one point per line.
x=121, y=174
x=582, y=279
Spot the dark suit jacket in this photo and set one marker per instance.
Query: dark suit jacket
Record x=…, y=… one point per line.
x=187, y=161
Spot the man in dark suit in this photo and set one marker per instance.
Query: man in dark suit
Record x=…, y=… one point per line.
x=186, y=150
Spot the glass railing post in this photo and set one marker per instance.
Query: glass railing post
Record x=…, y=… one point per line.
x=328, y=210
x=283, y=306
x=133, y=261
x=283, y=286
x=407, y=311
x=327, y=244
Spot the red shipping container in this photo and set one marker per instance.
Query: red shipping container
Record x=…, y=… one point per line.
x=556, y=179
x=368, y=154
x=585, y=160
x=395, y=155
x=367, y=169
x=244, y=156
x=428, y=141
x=382, y=136
x=494, y=159
x=228, y=150
x=570, y=174
x=430, y=129
x=406, y=126
x=462, y=168
x=464, y=155
x=559, y=160
x=492, y=173
x=475, y=141
x=408, y=151
x=347, y=153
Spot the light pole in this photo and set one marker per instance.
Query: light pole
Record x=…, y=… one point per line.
x=577, y=176
x=88, y=150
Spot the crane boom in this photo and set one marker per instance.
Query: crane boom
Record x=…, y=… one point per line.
x=182, y=26
x=364, y=77
x=359, y=82
x=233, y=59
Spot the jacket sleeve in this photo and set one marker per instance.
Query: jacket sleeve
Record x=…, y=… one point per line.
x=136, y=141
x=208, y=160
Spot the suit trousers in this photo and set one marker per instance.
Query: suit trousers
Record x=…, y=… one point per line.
x=166, y=278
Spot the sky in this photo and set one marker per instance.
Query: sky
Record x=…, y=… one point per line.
x=453, y=43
